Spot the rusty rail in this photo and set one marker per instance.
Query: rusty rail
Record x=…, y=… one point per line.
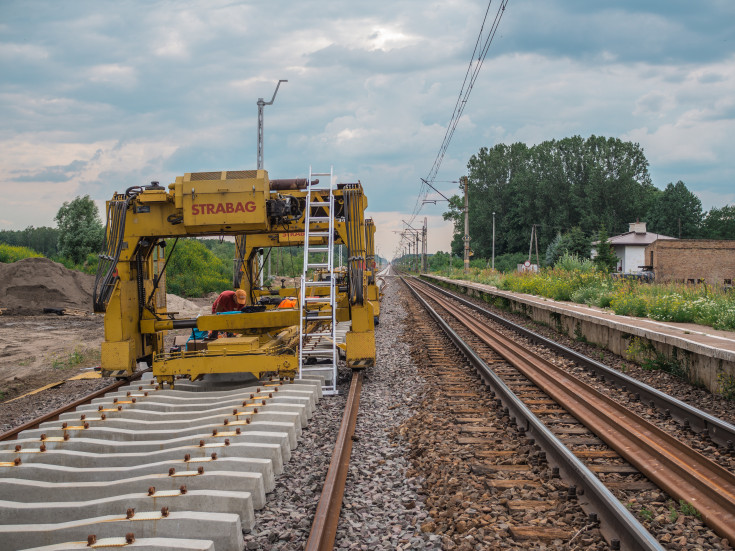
x=326, y=518
x=53, y=415
x=721, y=432
x=676, y=468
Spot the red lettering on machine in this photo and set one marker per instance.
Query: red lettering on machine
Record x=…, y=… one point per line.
x=216, y=208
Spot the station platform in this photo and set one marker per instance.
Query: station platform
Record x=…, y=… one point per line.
x=705, y=354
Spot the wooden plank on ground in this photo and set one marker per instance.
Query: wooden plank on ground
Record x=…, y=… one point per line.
x=546, y=533
x=632, y=485
x=521, y=505
x=488, y=468
x=476, y=430
x=472, y=419
x=474, y=440
x=504, y=484
x=591, y=454
x=619, y=469
x=570, y=430
x=495, y=453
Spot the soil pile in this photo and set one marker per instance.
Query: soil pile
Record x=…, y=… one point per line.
x=32, y=284
x=185, y=308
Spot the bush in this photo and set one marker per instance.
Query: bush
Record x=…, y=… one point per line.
x=194, y=270
x=571, y=262
x=508, y=262
x=627, y=303
x=9, y=253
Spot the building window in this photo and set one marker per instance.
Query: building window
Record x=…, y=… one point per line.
x=728, y=282
x=690, y=281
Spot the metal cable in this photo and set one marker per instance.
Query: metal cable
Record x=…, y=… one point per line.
x=106, y=276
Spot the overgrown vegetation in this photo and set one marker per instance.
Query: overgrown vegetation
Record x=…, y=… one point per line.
x=577, y=280
x=9, y=253
x=726, y=385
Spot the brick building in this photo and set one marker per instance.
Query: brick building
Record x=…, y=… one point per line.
x=692, y=261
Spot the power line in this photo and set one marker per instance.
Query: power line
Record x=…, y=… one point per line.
x=473, y=70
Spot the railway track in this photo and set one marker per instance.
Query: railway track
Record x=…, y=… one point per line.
x=172, y=469
x=627, y=454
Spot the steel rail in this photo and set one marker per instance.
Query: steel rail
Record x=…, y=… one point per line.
x=721, y=432
x=53, y=415
x=324, y=528
x=676, y=468
x=617, y=524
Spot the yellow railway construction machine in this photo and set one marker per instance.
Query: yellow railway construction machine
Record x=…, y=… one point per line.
x=261, y=213
x=373, y=292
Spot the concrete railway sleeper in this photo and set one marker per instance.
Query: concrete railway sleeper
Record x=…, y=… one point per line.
x=680, y=472
x=168, y=469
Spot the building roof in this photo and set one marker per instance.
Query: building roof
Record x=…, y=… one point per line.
x=635, y=238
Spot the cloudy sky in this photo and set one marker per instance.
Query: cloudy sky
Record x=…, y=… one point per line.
x=98, y=95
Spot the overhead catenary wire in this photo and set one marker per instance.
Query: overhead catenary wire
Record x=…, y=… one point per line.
x=473, y=70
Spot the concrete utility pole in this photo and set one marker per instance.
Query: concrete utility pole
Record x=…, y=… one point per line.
x=493, y=241
x=261, y=106
x=466, y=238
x=424, y=249
x=416, y=235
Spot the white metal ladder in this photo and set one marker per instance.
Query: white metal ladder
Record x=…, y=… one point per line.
x=317, y=325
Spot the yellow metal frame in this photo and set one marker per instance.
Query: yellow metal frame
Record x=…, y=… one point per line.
x=220, y=203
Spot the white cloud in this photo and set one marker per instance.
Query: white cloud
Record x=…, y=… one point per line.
x=144, y=91
x=23, y=52
x=113, y=74
x=40, y=175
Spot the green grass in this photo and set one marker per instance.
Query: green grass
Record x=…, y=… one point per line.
x=688, y=509
x=73, y=359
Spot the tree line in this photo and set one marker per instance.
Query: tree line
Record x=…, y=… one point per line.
x=587, y=186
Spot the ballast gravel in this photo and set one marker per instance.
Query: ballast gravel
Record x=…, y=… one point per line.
x=382, y=509
x=14, y=413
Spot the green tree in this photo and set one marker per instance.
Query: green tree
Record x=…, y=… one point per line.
x=508, y=262
x=677, y=212
x=43, y=240
x=557, y=185
x=719, y=223
x=574, y=242
x=194, y=270
x=606, y=259
x=80, y=229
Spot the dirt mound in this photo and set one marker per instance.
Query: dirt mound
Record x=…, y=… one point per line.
x=32, y=284
x=185, y=308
